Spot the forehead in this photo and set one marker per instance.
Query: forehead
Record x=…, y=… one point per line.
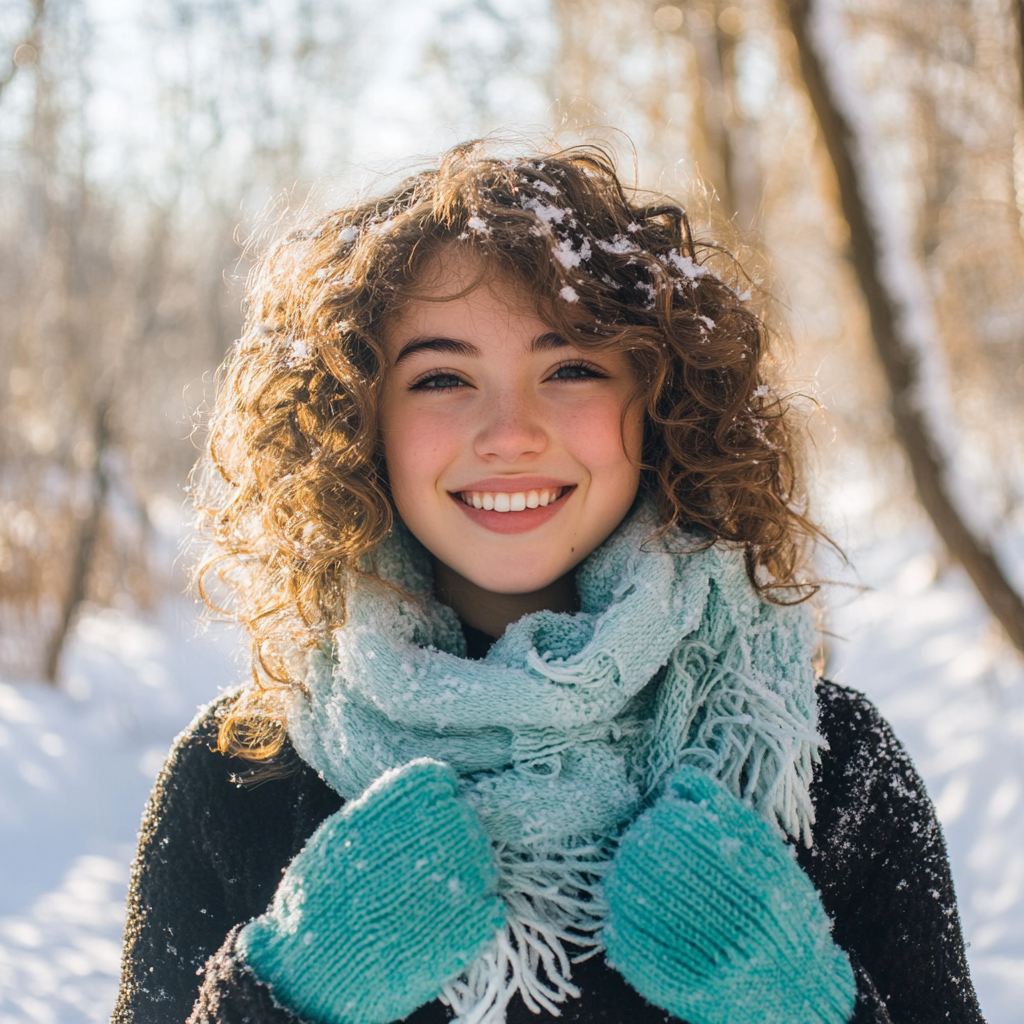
x=461, y=289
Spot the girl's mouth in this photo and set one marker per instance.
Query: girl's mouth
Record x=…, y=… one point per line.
x=513, y=511
x=513, y=501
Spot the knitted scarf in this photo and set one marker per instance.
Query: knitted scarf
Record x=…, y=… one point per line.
x=567, y=728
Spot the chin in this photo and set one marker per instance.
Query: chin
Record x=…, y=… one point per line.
x=512, y=577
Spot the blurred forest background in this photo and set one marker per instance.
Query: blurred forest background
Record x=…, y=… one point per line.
x=872, y=152
x=865, y=156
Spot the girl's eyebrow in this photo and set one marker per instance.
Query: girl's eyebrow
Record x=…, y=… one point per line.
x=456, y=348
x=542, y=343
x=547, y=342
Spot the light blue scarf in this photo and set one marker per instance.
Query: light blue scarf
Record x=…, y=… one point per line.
x=568, y=727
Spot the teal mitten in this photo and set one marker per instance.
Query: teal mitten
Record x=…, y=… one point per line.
x=711, y=917
x=390, y=898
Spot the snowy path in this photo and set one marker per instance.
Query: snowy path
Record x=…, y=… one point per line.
x=75, y=770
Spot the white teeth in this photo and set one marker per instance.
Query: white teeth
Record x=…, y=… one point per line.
x=511, y=501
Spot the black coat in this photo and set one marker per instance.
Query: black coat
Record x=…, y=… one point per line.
x=212, y=850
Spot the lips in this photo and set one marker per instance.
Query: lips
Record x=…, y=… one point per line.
x=515, y=509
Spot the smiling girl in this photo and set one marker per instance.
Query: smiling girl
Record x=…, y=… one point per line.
x=499, y=488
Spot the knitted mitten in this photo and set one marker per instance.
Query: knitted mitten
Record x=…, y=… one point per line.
x=711, y=917
x=391, y=897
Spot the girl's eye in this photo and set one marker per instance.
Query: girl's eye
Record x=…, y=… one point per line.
x=577, y=371
x=438, y=382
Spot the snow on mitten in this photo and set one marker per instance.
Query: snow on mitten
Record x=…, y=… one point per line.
x=391, y=897
x=711, y=917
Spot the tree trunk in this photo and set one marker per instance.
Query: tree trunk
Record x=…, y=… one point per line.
x=84, y=547
x=715, y=105
x=896, y=353
x=1018, y=11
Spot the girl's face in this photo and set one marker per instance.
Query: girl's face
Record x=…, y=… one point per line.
x=506, y=447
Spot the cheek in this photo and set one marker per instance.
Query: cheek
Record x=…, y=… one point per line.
x=601, y=440
x=417, y=447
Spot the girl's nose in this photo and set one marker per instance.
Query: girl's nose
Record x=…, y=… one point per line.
x=512, y=428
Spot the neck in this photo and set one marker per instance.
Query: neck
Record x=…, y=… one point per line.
x=490, y=612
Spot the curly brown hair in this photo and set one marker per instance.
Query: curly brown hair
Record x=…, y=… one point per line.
x=292, y=492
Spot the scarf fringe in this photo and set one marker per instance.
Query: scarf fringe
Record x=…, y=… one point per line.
x=717, y=717
x=552, y=899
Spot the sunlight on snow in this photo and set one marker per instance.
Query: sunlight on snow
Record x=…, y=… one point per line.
x=60, y=961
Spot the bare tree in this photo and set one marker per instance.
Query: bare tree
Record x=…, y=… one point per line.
x=895, y=351
x=113, y=283
x=715, y=30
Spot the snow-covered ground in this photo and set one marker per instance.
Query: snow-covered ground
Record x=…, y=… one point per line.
x=75, y=768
